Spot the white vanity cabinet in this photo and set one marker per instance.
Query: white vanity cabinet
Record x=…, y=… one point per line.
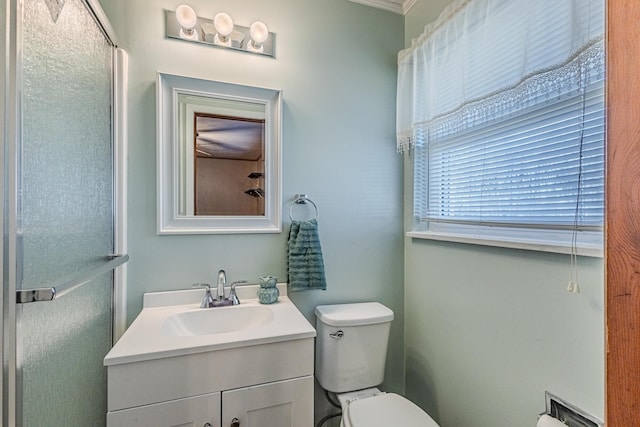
x=196, y=411
x=286, y=403
x=262, y=385
x=258, y=376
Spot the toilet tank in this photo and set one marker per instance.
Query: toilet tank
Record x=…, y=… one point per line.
x=351, y=345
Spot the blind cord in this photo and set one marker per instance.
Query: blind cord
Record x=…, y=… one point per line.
x=574, y=283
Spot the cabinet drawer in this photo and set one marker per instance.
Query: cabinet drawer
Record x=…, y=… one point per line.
x=170, y=378
x=190, y=412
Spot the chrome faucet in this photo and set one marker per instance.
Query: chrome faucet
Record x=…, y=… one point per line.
x=222, y=280
x=209, y=301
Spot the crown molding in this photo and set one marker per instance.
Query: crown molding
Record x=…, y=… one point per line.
x=401, y=7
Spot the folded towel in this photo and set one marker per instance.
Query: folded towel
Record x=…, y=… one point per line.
x=305, y=267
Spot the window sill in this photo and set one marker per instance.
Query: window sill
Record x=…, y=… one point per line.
x=554, y=245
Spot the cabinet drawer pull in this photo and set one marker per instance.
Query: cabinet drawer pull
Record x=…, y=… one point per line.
x=235, y=422
x=207, y=425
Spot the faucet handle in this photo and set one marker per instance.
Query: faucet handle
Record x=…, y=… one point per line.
x=232, y=293
x=208, y=300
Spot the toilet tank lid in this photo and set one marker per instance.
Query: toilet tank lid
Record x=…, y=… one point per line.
x=356, y=314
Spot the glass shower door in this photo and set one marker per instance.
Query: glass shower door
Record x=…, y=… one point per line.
x=64, y=216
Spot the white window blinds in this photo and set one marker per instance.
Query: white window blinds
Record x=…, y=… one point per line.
x=503, y=102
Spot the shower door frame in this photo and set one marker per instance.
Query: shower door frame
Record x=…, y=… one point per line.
x=11, y=12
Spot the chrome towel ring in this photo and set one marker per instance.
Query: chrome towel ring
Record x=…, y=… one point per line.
x=302, y=199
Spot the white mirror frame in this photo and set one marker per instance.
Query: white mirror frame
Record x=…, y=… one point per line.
x=169, y=88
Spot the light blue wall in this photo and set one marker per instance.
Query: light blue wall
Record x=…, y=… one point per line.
x=337, y=70
x=488, y=330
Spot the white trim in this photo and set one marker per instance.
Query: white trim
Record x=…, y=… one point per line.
x=395, y=6
x=121, y=68
x=169, y=220
x=542, y=244
x=407, y=5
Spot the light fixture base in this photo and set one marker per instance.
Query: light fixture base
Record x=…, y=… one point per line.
x=192, y=35
x=255, y=49
x=239, y=39
x=222, y=41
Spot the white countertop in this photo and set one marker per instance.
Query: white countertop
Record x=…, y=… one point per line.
x=148, y=339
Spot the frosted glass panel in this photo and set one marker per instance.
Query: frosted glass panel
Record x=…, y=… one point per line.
x=66, y=214
x=66, y=158
x=64, y=343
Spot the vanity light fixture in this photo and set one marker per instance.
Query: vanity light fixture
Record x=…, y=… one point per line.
x=187, y=19
x=224, y=27
x=221, y=31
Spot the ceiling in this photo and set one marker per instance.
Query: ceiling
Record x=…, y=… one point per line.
x=400, y=7
x=223, y=137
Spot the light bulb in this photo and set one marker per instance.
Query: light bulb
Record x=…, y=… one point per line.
x=187, y=19
x=259, y=34
x=224, y=27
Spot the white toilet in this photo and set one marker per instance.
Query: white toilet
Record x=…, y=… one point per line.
x=351, y=351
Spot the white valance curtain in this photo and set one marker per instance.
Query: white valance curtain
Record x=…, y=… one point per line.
x=480, y=57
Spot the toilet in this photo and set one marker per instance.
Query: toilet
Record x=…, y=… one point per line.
x=351, y=352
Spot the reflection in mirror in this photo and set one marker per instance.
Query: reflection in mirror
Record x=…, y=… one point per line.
x=218, y=158
x=229, y=165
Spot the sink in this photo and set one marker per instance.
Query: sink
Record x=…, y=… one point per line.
x=208, y=321
x=162, y=364
x=172, y=324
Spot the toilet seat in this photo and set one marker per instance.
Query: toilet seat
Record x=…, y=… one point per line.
x=385, y=410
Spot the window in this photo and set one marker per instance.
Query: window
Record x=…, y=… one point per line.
x=504, y=118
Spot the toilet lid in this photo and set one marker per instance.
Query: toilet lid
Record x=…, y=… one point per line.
x=386, y=410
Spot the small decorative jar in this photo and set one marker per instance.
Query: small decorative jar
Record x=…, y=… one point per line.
x=268, y=292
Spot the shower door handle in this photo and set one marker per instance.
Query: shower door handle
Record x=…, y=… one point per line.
x=50, y=293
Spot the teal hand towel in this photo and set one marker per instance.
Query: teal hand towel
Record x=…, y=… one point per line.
x=305, y=266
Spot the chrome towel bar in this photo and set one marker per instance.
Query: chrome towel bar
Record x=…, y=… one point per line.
x=73, y=282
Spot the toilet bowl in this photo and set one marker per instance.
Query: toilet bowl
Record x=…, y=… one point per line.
x=378, y=409
x=351, y=350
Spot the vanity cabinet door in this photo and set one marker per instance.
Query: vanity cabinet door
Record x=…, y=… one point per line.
x=199, y=411
x=286, y=403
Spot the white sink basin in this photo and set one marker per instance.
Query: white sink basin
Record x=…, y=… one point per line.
x=219, y=320
x=173, y=324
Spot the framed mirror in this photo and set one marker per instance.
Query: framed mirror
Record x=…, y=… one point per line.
x=219, y=157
